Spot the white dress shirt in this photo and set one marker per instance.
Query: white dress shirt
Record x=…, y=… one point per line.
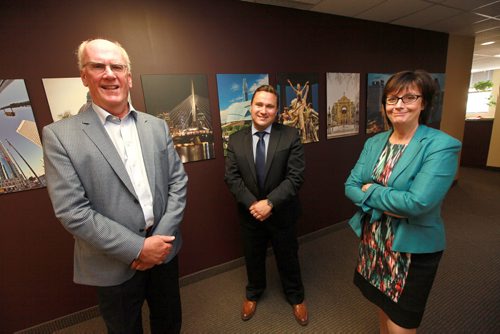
x=123, y=134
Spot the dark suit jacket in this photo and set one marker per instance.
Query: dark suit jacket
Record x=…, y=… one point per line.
x=284, y=170
x=94, y=199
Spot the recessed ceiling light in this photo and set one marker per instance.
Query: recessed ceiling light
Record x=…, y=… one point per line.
x=488, y=43
x=497, y=56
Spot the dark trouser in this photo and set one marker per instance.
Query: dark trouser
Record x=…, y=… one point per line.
x=121, y=305
x=256, y=236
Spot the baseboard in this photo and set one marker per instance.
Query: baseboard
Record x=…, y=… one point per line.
x=63, y=322
x=490, y=168
x=494, y=169
x=324, y=231
x=92, y=312
x=209, y=272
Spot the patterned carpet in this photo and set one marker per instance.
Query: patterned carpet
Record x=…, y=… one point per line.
x=465, y=297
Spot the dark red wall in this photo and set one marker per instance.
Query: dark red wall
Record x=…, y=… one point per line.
x=38, y=39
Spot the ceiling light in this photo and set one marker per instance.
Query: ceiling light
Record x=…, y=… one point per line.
x=488, y=43
x=497, y=56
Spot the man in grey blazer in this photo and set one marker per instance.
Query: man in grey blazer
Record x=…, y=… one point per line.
x=118, y=186
x=264, y=171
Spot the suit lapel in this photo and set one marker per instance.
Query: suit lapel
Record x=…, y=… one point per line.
x=410, y=153
x=146, y=138
x=375, y=153
x=248, y=147
x=92, y=127
x=273, y=144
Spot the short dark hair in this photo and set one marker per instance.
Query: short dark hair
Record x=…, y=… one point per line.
x=269, y=89
x=421, y=80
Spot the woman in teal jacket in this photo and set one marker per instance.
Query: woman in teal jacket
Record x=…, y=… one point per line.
x=398, y=185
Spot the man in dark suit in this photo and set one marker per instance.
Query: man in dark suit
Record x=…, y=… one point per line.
x=264, y=171
x=118, y=186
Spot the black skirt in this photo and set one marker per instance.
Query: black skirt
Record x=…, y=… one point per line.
x=408, y=311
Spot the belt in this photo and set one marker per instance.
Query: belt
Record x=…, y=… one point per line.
x=147, y=230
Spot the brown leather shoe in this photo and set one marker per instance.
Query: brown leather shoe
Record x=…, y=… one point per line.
x=248, y=309
x=300, y=313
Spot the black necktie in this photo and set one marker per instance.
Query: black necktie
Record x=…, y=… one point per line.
x=260, y=159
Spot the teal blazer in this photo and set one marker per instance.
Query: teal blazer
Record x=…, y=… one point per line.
x=415, y=190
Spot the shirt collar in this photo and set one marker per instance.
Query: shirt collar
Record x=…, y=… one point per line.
x=266, y=130
x=103, y=114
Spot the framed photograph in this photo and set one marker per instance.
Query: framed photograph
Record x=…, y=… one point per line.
x=235, y=93
x=437, y=103
x=66, y=96
x=299, y=103
x=21, y=156
x=342, y=112
x=182, y=101
x=375, y=118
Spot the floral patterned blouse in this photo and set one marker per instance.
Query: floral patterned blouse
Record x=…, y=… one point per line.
x=377, y=263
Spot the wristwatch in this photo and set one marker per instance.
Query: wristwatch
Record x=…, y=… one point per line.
x=270, y=203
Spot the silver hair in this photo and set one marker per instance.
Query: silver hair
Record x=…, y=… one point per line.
x=81, y=50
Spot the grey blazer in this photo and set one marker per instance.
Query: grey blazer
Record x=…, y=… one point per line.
x=95, y=201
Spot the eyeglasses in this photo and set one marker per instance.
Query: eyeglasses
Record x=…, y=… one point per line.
x=407, y=99
x=101, y=68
